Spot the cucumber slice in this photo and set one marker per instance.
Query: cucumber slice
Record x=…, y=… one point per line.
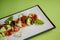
x=3, y=34
x=29, y=21
x=3, y=29
x=30, y=15
x=19, y=23
x=9, y=27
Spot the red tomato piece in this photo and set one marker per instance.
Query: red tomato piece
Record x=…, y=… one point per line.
x=8, y=33
x=34, y=17
x=24, y=24
x=23, y=17
x=16, y=28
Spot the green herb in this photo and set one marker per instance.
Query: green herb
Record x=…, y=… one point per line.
x=8, y=21
x=39, y=22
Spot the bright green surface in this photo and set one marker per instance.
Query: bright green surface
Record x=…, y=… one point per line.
x=50, y=7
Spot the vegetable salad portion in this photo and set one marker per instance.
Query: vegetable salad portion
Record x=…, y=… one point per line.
x=11, y=26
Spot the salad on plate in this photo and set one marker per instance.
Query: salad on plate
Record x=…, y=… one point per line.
x=11, y=26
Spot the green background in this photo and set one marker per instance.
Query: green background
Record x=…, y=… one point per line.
x=50, y=7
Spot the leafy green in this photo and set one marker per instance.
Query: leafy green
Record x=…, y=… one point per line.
x=8, y=21
x=39, y=22
x=1, y=37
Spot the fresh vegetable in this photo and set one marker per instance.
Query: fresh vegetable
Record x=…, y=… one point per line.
x=34, y=17
x=19, y=23
x=30, y=15
x=12, y=23
x=8, y=21
x=3, y=29
x=39, y=22
x=23, y=19
x=3, y=33
x=29, y=21
x=9, y=27
x=8, y=33
x=32, y=22
x=16, y=28
x=24, y=24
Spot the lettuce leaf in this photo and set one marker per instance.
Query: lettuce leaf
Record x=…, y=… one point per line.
x=8, y=21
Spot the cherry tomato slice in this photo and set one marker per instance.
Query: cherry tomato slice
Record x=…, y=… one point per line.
x=16, y=28
x=8, y=33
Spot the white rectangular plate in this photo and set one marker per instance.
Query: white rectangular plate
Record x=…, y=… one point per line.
x=32, y=30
